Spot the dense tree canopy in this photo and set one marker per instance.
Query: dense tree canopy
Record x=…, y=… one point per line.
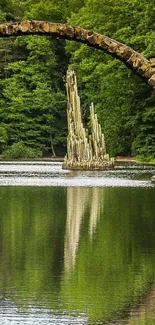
x=32, y=71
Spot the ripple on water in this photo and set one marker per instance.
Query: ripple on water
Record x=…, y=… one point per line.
x=36, y=316
x=51, y=174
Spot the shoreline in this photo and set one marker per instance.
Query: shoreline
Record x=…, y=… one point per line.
x=124, y=160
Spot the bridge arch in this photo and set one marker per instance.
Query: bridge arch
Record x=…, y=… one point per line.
x=134, y=60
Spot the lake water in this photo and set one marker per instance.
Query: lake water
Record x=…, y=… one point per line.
x=76, y=247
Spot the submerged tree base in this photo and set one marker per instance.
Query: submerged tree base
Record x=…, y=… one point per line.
x=85, y=168
x=88, y=165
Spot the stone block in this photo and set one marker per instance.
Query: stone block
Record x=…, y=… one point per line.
x=99, y=39
x=149, y=72
x=142, y=69
x=124, y=51
x=24, y=26
x=152, y=62
x=3, y=29
x=53, y=28
x=46, y=27
x=112, y=47
x=69, y=31
x=151, y=81
x=92, y=39
x=136, y=60
x=80, y=33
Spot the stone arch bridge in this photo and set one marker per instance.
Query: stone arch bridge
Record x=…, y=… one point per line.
x=134, y=60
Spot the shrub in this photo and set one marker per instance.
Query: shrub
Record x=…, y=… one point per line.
x=20, y=151
x=3, y=138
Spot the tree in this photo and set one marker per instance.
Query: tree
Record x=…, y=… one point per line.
x=125, y=105
x=32, y=96
x=120, y=97
x=3, y=137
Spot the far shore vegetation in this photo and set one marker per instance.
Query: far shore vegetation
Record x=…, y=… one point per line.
x=33, y=102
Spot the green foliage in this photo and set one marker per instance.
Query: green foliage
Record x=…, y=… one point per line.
x=32, y=70
x=20, y=151
x=3, y=137
x=2, y=16
x=33, y=100
x=32, y=92
x=122, y=100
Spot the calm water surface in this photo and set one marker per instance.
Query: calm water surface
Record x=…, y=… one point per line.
x=76, y=248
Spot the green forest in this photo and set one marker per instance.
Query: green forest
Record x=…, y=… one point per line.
x=33, y=100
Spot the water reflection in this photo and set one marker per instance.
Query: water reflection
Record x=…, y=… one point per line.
x=144, y=313
x=115, y=269
x=77, y=255
x=80, y=202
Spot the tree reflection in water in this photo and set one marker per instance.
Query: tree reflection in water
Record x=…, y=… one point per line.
x=109, y=254
x=79, y=251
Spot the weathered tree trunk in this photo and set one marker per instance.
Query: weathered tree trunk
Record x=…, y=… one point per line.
x=52, y=147
x=83, y=151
